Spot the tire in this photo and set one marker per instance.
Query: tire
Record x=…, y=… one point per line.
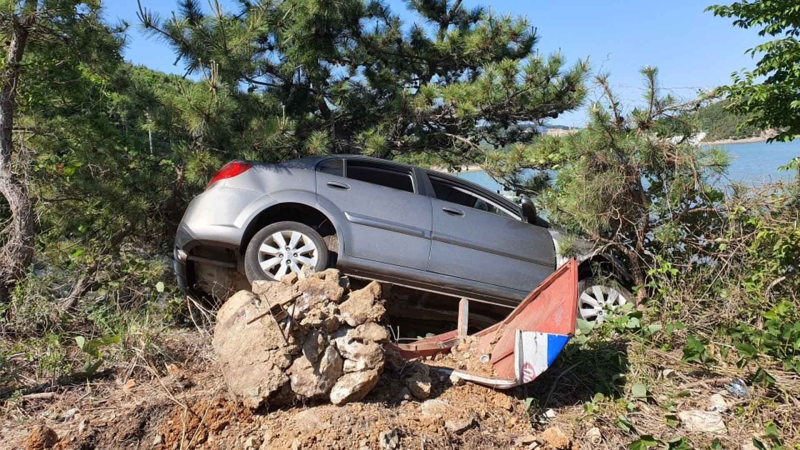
x=596, y=298
x=307, y=251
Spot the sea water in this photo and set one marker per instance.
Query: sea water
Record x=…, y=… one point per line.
x=752, y=164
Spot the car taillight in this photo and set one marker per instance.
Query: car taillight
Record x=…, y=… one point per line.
x=230, y=170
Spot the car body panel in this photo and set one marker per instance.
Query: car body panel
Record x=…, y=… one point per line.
x=385, y=225
x=489, y=248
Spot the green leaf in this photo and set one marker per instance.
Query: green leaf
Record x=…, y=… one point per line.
x=771, y=432
x=654, y=328
x=644, y=442
x=764, y=378
x=585, y=327
x=746, y=349
x=623, y=423
x=639, y=391
x=680, y=443
x=672, y=420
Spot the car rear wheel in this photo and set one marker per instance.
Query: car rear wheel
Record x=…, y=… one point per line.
x=598, y=297
x=283, y=248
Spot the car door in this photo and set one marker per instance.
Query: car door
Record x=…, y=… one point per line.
x=479, y=239
x=389, y=222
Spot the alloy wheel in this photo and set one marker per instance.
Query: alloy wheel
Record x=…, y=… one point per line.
x=597, y=301
x=287, y=251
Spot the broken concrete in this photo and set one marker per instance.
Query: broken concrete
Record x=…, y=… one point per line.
x=288, y=341
x=703, y=421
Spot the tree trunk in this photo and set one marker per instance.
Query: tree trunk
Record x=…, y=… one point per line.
x=17, y=252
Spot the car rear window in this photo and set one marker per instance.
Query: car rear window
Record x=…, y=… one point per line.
x=382, y=175
x=332, y=167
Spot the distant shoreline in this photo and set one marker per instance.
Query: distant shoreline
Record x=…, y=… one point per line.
x=478, y=168
x=749, y=140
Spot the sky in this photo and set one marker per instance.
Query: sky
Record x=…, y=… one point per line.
x=692, y=49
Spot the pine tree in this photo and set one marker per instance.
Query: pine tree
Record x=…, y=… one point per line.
x=44, y=39
x=632, y=184
x=348, y=76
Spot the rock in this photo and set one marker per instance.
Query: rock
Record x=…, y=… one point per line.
x=70, y=414
x=310, y=380
x=329, y=275
x=359, y=355
x=459, y=426
x=718, y=404
x=361, y=305
x=594, y=436
x=315, y=291
x=703, y=421
x=41, y=438
x=420, y=385
x=556, y=438
x=354, y=386
x=304, y=356
x=456, y=380
x=289, y=279
x=371, y=331
x=550, y=414
x=314, y=345
x=432, y=409
x=668, y=373
x=525, y=440
x=252, y=443
x=389, y=440
x=503, y=402
x=158, y=440
x=405, y=394
x=253, y=357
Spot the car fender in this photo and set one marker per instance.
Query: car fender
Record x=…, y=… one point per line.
x=301, y=197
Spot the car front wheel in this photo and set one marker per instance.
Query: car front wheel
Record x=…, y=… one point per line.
x=597, y=298
x=283, y=248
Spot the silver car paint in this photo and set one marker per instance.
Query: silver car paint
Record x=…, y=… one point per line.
x=384, y=234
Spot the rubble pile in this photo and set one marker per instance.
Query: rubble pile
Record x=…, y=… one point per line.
x=301, y=339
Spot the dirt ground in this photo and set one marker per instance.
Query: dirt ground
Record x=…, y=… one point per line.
x=187, y=406
x=182, y=402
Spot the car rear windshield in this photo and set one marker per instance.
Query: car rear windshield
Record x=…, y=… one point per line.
x=391, y=177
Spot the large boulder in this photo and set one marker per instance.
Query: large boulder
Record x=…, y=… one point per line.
x=331, y=349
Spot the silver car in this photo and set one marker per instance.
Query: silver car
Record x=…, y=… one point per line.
x=378, y=220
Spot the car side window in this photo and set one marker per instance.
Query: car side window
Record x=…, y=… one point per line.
x=382, y=175
x=454, y=194
x=333, y=166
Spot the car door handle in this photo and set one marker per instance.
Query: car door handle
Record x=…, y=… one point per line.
x=453, y=211
x=337, y=185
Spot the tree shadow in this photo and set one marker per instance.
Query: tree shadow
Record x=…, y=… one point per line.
x=578, y=374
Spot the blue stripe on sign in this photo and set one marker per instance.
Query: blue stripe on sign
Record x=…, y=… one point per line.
x=555, y=343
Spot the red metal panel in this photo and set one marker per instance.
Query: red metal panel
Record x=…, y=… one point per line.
x=551, y=308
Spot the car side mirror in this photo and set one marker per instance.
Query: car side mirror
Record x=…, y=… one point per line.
x=528, y=209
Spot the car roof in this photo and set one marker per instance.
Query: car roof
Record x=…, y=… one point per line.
x=311, y=163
